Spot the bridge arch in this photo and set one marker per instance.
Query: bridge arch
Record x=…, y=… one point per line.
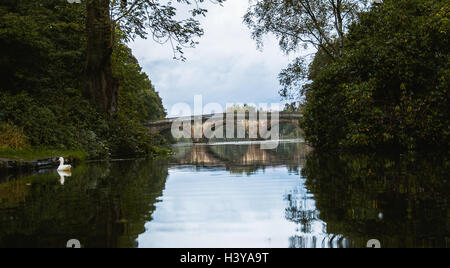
x=209, y=122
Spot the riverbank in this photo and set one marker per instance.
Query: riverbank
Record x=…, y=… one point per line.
x=37, y=159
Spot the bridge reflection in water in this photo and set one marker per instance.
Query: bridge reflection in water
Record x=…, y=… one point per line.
x=241, y=155
x=237, y=195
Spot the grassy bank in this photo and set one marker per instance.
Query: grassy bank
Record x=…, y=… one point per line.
x=76, y=155
x=44, y=158
x=34, y=154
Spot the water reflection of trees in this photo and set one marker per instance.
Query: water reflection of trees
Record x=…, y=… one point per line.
x=102, y=205
x=300, y=211
x=401, y=201
x=311, y=230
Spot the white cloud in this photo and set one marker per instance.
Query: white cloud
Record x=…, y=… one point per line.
x=225, y=67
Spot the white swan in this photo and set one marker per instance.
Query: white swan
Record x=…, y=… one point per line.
x=63, y=175
x=63, y=167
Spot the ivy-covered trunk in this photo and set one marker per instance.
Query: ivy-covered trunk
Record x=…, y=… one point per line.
x=101, y=83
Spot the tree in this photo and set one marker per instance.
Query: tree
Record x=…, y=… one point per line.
x=101, y=84
x=43, y=98
x=134, y=18
x=389, y=90
x=321, y=24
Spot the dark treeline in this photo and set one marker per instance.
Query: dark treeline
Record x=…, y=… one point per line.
x=380, y=78
x=71, y=84
x=43, y=95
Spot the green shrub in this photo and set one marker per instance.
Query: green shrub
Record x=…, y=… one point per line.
x=12, y=138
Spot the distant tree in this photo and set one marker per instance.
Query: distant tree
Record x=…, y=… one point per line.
x=135, y=18
x=321, y=24
x=291, y=107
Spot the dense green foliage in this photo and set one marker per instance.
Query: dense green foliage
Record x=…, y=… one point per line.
x=390, y=87
x=43, y=89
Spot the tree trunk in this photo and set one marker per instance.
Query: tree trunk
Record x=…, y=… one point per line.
x=340, y=27
x=101, y=83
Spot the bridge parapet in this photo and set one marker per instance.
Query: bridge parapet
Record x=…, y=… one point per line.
x=209, y=121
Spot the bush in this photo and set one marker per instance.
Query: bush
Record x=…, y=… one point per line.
x=12, y=138
x=74, y=126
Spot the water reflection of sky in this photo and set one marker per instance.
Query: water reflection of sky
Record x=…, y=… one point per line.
x=213, y=208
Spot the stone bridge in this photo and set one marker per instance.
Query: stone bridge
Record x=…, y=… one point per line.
x=211, y=121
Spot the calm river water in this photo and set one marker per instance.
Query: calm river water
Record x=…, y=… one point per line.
x=232, y=195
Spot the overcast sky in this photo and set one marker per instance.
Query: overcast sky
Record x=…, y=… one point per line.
x=224, y=68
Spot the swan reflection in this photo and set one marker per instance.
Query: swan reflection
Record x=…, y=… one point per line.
x=63, y=175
